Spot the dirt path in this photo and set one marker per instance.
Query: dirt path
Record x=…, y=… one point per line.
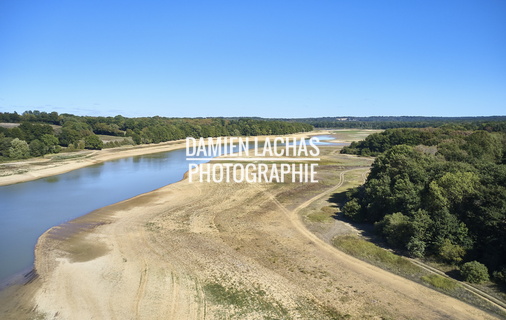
x=480, y=293
x=214, y=251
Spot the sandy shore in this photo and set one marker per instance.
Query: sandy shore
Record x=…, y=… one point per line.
x=50, y=165
x=215, y=251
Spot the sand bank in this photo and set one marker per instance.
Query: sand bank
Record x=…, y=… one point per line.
x=50, y=165
x=214, y=251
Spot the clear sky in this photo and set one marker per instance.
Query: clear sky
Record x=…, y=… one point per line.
x=273, y=58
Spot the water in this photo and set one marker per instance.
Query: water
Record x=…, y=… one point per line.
x=29, y=209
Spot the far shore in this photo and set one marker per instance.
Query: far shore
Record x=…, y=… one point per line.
x=42, y=167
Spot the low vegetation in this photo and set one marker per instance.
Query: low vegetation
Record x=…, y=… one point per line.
x=239, y=302
x=378, y=256
x=441, y=282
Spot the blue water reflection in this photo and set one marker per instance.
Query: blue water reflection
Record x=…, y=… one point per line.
x=29, y=209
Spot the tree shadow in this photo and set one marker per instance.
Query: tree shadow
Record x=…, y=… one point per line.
x=366, y=230
x=455, y=274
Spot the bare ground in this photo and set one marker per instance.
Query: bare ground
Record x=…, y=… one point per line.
x=215, y=251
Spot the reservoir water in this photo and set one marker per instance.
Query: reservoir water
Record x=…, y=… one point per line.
x=29, y=209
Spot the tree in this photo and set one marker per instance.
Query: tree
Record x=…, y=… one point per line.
x=51, y=143
x=37, y=148
x=450, y=252
x=474, y=272
x=5, y=144
x=396, y=229
x=19, y=149
x=93, y=142
x=416, y=247
x=352, y=210
x=69, y=136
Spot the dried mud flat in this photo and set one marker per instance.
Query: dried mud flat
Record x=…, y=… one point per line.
x=215, y=251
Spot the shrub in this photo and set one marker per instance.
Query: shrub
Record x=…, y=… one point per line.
x=416, y=247
x=450, y=252
x=396, y=229
x=19, y=149
x=500, y=275
x=93, y=142
x=352, y=210
x=474, y=272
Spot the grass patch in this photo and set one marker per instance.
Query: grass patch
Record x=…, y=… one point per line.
x=387, y=260
x=151, y=226
x=18, y=171
x=353, y=134
x=375, y=255
x=227, y=296
x=440, y=282
x=240, y=302
x=325, y=214
x=68, y=156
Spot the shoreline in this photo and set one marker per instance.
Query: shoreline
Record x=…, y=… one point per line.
x=38, y=168
x=164, y=253
x=95, y=157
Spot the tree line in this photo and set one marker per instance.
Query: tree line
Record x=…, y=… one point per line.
x=437, y=193
x=389, y=122
x=41, y=133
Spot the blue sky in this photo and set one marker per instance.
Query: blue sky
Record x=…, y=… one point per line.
x=254, y=58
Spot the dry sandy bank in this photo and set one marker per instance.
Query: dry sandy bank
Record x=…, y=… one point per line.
x=214, y=251
x=22, y=171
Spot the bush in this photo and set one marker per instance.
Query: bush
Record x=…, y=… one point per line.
x=37, y=148
x=93, y=142
x=396, y=229
x=416, y=247
x=19, y=149
x=450, y=252
x=474, y=272
x=500, y=275
x=353, y=211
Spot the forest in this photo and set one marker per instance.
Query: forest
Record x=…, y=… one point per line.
x=389, y=122
x=36, y=133
x=438, y=193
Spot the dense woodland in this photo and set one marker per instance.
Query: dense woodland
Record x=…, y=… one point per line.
x=41, y=133
x=437, y=193
x=389, y=122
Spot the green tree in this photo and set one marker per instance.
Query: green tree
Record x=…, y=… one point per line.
x=396, y=228
x=474, y=272
x=19, y=149
x=37, y=148
x=450, y=252
x=5, y=144
x=69, y=136
x=93, y=142
x=353, y=210
x=416, y=247
x=51, y=142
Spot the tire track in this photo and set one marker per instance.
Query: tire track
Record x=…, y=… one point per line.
x=404, y=286
x=141, y=290
x=481, y=294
